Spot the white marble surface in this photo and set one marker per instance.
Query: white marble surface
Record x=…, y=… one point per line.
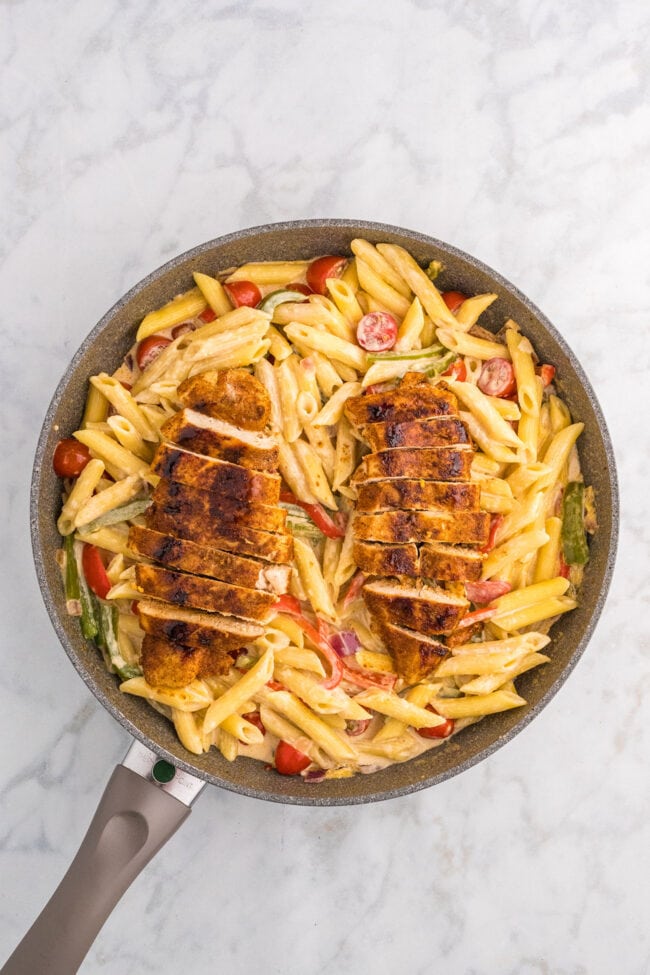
x=518, y=131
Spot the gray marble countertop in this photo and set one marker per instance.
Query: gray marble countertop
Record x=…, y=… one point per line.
x=519, y=132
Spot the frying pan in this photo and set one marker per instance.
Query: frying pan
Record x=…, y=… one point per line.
x=150, y=794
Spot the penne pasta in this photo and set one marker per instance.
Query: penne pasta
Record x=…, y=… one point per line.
x=181, y=309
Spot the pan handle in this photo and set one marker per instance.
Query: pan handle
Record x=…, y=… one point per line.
x=135, y=817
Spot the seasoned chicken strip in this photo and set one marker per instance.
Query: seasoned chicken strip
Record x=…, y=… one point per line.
x=435, y=432
x=195, y=628
x=430, y=463
x=414, y=654
x=220, y=439
x=270, y=546
x=418, y=494
x=220, y=478
x=166, y=663
x=232, y=394
x=202, y=560
x=201, y=593
x=425, y=609
x=207, y=510
x=386, y=560
x=468, y=527
x=401, y=405
x=450, y=563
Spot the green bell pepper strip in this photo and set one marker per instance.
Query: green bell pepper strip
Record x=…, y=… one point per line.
x=275, y=298
x=574, y=539
x=108, y=617
x=124, y=513
x=428, y=353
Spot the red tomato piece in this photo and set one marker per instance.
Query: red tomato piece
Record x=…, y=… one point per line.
x=547, y=373
x=457, y=370
x=482, y=593
x=94, y=571
x=497, y=378
x=208, y=315
x=182, y=329
x=243, y=293
x=377, y=331
x=323, y=268
x=70, y=457
x=149, y=349
x=453, y=300
x=289, y=761
x=255, y=718
x=304, y=289
x=440, y=731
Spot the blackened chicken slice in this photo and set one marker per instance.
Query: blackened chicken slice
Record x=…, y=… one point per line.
x=417, y=494
x=216, y=476
x=424, y=609
x=230, y=394
x=428, y=463
x=466, y=527
x=401, y=405
x=225, y=441
x=415, y=655
x=203, y=560
x=440, y=431
x=206, y=510
x=194, y=627
x=199, y=592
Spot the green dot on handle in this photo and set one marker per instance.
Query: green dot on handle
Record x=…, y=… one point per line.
x=163, y=771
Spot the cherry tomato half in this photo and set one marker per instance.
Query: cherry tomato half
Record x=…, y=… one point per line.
x=149, y=349
x=440, y=730
x=547, y=373
x=377, y=331
x=243, y=293
x=482, y=593
x=94, y=571
x=304, y=289
x=208, y=315
x=497, y=378
x=453, y=300
x=255, y=718
x=457, y=370
x=70, y=457
x=289, y=761
x=323, y=268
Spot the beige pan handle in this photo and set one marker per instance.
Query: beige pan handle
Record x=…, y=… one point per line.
x=144, y=803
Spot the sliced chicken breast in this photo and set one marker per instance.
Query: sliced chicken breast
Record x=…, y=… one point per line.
x=466, y=527
x=233, y=395
x=401, y=405
x=376, y=559
x=166, y=663
x=417, y=494
x=415, y=655
x=188, y=556
x=450, y=563
x=424, y=609
x=216, y=476
x=206, y=510
x=435, y=432
x=220, y=439
x=428, y=463
x=198, y=592
x=195, y=628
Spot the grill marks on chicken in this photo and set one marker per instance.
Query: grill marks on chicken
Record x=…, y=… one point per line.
x=416, y=521
x=217, y=542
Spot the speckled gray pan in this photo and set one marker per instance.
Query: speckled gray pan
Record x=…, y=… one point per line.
x=103, y=350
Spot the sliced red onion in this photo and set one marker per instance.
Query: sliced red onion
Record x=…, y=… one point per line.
x=345, y=643
x=316, y=775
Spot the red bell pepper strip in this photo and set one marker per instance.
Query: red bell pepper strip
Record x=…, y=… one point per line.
x=354, y=590
x=368, y=678
x=494, y=525
x=321, y=518
x=289, y=604
x=478, y=616
x=94, y=571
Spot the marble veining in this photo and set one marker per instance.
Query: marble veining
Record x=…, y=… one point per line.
x=519, y=132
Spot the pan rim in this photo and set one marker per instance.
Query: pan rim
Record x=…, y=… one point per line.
x=309, y=799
